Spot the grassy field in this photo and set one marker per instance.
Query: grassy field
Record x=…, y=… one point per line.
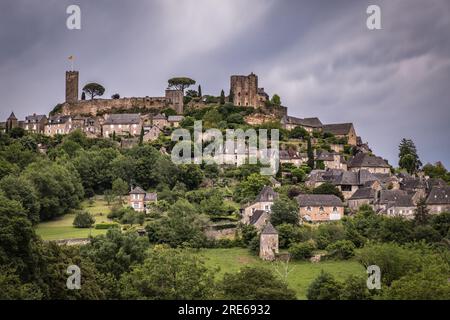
x=62, y=228
x=231, y=260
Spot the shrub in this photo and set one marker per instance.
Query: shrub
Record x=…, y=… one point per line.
x=342, y=249
x=106, y=226
x=324, y=287
x=83, y=219
x=302, y=250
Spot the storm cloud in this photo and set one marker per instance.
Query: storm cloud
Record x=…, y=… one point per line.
x=318, y=56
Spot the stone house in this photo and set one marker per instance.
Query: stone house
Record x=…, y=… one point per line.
x=309, y=124
x=292, y=157
x=331, y=160
x=35, y=123
x=401, y=206
x=268, y=243
x=320, y=207
x=11, y=122
x=58, y=125
x=365, y=161
x=151, y=133
x=160, y=121
x=126, y=124
x=385, y=198
x=174, y=121
x=140, y=199
x=244, y=91
x=438, y=200
x=263, y=201
x=361, y=197
x=342, y=130
x=88, y=125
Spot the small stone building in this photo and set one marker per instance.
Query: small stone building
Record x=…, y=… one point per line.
x=320, y=207
x=268, y=243
x=140, y=199
x=438, y=200
x=126, y=124
x=342, y=130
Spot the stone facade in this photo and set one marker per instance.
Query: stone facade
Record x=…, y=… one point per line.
x=139, y=199
x=244, y=91
x=268, y=244
x=72, y=86
x=35, y=123
x=58, y=125
x=320, y=207
x=122, y=125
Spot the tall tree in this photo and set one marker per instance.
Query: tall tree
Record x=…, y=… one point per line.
x=94, y=90
x=310, y=154
x=141, y=136
x=284, y=210
x=200, y=91
x=181, y=83
x=276, y=100
x=222, y=97
x=408, y=157
x=421, y=214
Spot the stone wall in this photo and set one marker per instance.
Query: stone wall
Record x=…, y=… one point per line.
x=99, y=107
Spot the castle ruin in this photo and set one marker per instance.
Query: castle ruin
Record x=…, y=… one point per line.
x=73, y=106
x=244, y=91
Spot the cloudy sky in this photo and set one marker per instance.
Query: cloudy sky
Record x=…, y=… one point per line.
x=318, y=56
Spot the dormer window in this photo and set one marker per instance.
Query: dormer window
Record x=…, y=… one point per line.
x=308, y=209
x=321, y=209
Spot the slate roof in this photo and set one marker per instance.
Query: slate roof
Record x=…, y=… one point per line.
x=137, y=190
x=288, y=155
x=35, y=118
x=159, y=117
x=363, y=193
x=256, y=216
x=269, y=229
x=306, y=122
x=266, y=194
x=124, y=118
x=401, y=201
x=324, y=155
x=391, y=195
x=12, y=116
x=439, y=195
x=315, y=200
x=175, y=118
x=58, y=119
x=366, y=160
x=338, y=129
x=151, y=196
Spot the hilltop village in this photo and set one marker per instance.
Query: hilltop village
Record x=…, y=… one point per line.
x=313, y=154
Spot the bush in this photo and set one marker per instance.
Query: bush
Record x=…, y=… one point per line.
x=106, y=226
x=342, y=249
x=302, y=250
x=324, y=287
x=83, y=219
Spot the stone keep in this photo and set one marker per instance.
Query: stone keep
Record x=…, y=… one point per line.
x=268, y=243
x=71, y=86
x=244, y=90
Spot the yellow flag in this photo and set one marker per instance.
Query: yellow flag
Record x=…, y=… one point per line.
x=71, y=58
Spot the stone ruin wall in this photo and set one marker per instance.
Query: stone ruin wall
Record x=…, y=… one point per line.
x=99, y=106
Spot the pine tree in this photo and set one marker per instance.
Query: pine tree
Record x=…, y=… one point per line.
x=222, y=97
x=141, y=136
x=83, y=96
x=310, y=154
x=114, y=136
x=200, y=91
x=408, y=157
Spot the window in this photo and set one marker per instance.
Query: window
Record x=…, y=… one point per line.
x=346, y=188
x=334, y=209
x=308, y=209
x=321, y=209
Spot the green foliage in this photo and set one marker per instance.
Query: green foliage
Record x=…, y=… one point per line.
x=248, y=233
x=298, y=133
x=324, y=287
x=116, y=252
x=436, y=171
x=181, y=227
x=302, y=250
x=253, y=283
x=289, y=234
x=408, y=157
x=133, y=217
x=83, y=219
x=284, y=210
x=248, y=189
x=276, y=100
x=191, y=175
x=328, y=233
x=58, y=187
x=181, y=83
x=341, y=249
x=169, y=274
x=355, y=288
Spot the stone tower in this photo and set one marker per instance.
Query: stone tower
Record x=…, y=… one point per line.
x=268, y=243
x=176, y=99
x=71, y=86
x=11, y=122
x=244, y=90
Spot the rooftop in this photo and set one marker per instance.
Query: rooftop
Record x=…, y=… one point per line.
x=315, y=200
x=339, y=129
x=124, y=118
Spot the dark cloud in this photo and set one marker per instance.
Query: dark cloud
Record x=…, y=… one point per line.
x=318, y=55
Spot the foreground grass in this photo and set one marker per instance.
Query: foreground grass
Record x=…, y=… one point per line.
x=301, y=275
x=62, y=229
